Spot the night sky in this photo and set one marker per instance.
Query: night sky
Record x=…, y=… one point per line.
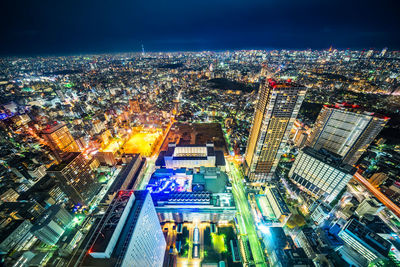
x=87, y=26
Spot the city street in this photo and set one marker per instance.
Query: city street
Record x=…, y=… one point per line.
x=246, y=222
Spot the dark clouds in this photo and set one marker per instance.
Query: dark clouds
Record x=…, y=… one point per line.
x=74, y=26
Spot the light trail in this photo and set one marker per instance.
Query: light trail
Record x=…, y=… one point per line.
x=382, y=198
x=246, y=222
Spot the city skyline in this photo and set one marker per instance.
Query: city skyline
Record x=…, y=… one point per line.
x=236, y=158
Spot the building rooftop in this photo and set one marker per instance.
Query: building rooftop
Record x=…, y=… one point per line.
x=365, y=234
x=117, y=224
x=283, y=84
x=51, y=128
x=66, y=161
x=9, y=228
x=203, y=151
x=356, y=109
x=330, y=158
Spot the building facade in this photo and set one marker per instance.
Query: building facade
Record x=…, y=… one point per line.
x=129, y=234
x=345, y=130
x=364, y=241
x=190, y=156
x=14, y=235
x=59, y=139
x=76, y=177
x=369, y=206
x=320, y=173
x=276, y=110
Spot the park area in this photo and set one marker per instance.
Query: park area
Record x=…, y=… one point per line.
x=143, y=141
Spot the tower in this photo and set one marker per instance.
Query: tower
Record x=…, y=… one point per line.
x=276, y=110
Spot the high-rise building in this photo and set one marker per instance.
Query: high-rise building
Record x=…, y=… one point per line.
x=300, y=137
x=378, y=178
x=129, y=234
x=345, y=130
x=59, y=139
x=59, y=215
x=134, y=105
x=364, y=241
x=47, y=230
x=319, y=214
x=14, y=235
x=276, y=110
x=320, y=173
x=369, y=206
x=75, y=176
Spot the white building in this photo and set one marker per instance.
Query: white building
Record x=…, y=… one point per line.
x=364, y=241
x=369, y=206
x=129, y=234
x=320, y=214
x=320, y=173
x=191, y=156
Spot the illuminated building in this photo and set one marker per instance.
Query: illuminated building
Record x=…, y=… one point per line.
x=47, y=230
x=345, y=130
x=378, y=178
x=364, y=241
x=14, y=235
x=277, y=204
x=52, y=225
x=134, y=105
x=129, y=234
x=369, y=206
x=176, y=107
x=276, y=110
x=320, y=173
x=127, y=177
x=190, y=156
x=37, y=172
x=29, y=210
x=300, y=138
x=59, y=139
x=308, y=240
x=106, y=157
x=320, y=214
x=8, y=195
x=75, y=176
x=183, y=195
x=59, y=215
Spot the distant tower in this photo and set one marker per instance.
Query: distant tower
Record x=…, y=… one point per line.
x=383, y=53
x=276, y=110
x=143, y=53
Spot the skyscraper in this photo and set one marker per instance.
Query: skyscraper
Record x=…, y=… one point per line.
x=59, y=139
x=276, y=110
x=345, y=130
x=129, y=234
x=76, y=177
x=320, y=173
x=364, y=241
